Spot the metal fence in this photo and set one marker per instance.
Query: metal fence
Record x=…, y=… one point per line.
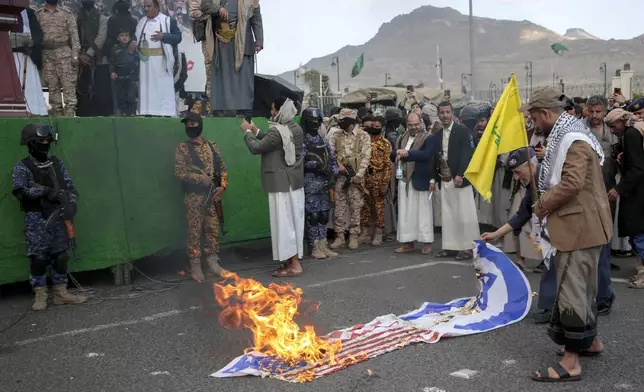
x=583, y=90
x=637, y=85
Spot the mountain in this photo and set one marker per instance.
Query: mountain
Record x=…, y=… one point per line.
x=579, y=34
x=405, y=48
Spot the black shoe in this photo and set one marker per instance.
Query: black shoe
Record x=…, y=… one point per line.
x=604, y=308
x=542, y=316
x=615, y=267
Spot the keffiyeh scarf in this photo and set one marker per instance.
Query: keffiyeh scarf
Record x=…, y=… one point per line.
x=566, y=130
x=286, y=114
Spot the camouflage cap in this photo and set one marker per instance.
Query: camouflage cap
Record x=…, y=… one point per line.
x=636, y=105
x=347, y=113
x=544, y=98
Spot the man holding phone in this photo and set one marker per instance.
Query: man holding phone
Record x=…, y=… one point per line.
x=410, y=100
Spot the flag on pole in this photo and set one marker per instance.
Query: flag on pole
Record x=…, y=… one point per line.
x=558, y=48
x=505, y=132
x=357, y=67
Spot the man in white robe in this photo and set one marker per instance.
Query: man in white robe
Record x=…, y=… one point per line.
x=157, y=37
x=27, y=46
x=415, y=215
x=452, y=153
x=281, y=149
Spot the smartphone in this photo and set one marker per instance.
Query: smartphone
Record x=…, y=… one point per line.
x=410, y=88
x=539, y=145
x=447, y=95
x=249, y=119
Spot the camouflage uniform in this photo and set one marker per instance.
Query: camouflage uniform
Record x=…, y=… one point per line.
x=376, y=184
x=353, y=150
x=198, y=219
x=59, y=59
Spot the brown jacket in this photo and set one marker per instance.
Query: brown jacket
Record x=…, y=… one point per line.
x=577, y=208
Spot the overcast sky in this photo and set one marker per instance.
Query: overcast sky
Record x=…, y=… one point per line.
x=298, y=30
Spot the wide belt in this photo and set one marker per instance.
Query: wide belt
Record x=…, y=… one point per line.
x=152, y=51
x=55, y=45
x=226, y=31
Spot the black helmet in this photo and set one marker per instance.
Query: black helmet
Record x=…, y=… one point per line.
x=33, y=132
x=310, y=113
x=485, y=110
x=311, y=119
x=393, y=114
x=470, y=112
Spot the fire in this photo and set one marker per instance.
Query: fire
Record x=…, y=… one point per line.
x=269, y=313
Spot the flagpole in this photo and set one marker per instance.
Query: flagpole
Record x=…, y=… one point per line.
x=472, y=79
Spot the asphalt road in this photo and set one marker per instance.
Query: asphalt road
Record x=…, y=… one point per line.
x=161, y=337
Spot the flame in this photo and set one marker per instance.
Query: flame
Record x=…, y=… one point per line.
x=269, y=313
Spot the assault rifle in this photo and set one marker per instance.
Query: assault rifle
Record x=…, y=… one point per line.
x=216, y=183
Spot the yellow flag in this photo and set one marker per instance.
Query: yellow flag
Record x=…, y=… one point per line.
x=505, y=132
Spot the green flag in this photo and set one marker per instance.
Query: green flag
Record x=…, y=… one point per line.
x=558, y=48
x=357, y=67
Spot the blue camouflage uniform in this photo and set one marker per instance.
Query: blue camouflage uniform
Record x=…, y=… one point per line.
x=316, y=186
x=43, y=240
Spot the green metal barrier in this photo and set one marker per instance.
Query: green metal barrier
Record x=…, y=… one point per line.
x=130, y=204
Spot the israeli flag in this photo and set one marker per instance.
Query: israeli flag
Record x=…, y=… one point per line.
x=504, y=298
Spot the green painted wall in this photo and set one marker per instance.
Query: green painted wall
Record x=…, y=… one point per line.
x=130, y=205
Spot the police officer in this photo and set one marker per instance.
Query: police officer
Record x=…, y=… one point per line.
x=469, y=117
x=48, y=198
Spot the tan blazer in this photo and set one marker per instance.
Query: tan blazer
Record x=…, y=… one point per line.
x=577, y=208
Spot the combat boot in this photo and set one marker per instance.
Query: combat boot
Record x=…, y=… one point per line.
x=338, y=242
x=364, y=236
x=377, y=238
x=63, y=297
x=317, y=251
x=214, y=266
x=195, y=270
x=324, y=247
x=353, y=242
x=40, y=298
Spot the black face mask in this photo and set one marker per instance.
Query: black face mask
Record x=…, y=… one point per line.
x=346, y=123
x=373, y=131
x=194, y=132
x=51, y=2
x=88, y=5
x=312, y=127
x=39, y=151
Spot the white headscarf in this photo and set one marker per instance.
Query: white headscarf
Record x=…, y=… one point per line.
x=285, y=115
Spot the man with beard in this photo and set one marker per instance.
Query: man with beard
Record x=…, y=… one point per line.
x=121, y=19
x=597, y=106
x=574, y=208
x=48, y=198
x=630, y=190
x=199, y=166
x=415, y=215
x=59, y=56
x=451, y=153
x=282, y=151
x=352, y=147
x=93, y=90
x=320, y=170
x=157, y=37
x=376, y=183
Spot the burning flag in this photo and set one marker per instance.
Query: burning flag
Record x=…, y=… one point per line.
x=504, y=298
x=269, y=312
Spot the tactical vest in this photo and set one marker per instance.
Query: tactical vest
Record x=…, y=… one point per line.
x=196, y=161
x=318, y=152
x=354, y=159
x=43, y=176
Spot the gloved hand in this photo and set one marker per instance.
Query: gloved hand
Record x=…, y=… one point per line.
x=70, y=211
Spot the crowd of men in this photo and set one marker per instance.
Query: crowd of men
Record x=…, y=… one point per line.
x=100, y=62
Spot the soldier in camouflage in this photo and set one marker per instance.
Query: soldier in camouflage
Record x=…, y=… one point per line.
x=376, y=182
x=352, y=147
x=48, y=198
x=59, y=56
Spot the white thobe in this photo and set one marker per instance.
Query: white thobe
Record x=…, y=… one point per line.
x=415, y=215
x=286, y=214
x=156, y=83
x=460, y=226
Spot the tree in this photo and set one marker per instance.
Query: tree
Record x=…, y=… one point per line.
x=401, y=85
